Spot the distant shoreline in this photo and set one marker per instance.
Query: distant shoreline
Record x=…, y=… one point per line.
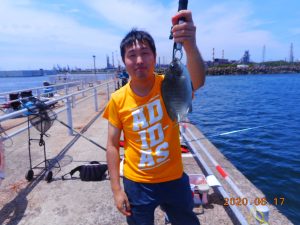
x=246, y=69
x=241, y=74
x=253, y=70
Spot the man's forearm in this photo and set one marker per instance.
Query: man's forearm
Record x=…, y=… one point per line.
x=113, y=162
x=196, y=67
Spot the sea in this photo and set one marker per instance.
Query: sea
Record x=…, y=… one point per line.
x=20, y=83
x=269, y=154
x=265, y=112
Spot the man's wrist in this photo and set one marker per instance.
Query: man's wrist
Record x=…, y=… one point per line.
x=115, y=191
x=191, y=48
x=116, y=188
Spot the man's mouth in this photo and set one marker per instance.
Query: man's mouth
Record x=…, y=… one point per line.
x=140, y=68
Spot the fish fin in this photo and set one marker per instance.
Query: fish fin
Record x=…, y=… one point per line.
x=188, y=122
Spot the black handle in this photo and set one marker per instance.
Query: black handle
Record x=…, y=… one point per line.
x=182, y=4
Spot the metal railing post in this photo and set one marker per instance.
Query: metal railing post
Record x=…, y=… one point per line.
x=73, y=101
x=82, y=87
x=66, y=89
x=107, y=87
x=96, y=99
x=115, y=84
x=38, y=93
x=69, y=116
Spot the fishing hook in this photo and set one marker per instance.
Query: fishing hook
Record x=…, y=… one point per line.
x=177, y=49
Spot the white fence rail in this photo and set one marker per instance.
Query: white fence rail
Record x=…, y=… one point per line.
x=70, y=100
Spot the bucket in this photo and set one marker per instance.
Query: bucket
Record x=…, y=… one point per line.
x=199, y=188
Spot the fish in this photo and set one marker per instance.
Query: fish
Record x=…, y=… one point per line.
x=177, y=91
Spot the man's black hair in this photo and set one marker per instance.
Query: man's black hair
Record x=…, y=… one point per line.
x=136, y=35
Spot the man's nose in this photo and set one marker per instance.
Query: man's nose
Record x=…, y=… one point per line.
x=139, y=59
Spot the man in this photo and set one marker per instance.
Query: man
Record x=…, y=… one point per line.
x=124, y=77
x=153, y=170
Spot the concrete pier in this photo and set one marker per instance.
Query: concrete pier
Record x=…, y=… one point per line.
x=73, y=201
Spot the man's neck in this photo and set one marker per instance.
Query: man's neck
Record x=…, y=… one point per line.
x=142, y=87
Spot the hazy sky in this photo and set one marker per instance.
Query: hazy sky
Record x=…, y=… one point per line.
x=43, y=33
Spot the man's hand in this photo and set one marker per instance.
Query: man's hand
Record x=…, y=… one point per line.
x=122, y=203
x=185, y=32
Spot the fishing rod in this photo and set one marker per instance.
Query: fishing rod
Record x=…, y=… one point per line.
x=234, y=131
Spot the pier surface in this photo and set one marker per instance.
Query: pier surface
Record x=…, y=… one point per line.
x=73, y=201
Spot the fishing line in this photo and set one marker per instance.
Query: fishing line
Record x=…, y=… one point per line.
x=234, y=131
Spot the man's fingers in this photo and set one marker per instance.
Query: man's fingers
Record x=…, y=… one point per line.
x=183, y=40
x=127, y=206
x=184, y=26
x=124, y=208
x=187, y=14
x=183, y=33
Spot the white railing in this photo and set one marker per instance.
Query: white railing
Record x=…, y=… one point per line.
x=71, y=102
x=40, y=91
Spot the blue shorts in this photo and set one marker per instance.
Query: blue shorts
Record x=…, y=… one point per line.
x=175, y=197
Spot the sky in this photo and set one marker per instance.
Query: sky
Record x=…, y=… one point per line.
x=38, y=34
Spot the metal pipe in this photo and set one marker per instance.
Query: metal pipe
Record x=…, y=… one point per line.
x=94, y=66
x=107, y=87
x=66, y=89
x=73, y=101
x=69, y=117
x=82, y=87
x=96, y=99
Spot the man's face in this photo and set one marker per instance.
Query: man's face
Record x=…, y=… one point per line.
x=139, y=60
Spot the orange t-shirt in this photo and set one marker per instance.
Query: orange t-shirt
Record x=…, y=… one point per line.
x=152, y=146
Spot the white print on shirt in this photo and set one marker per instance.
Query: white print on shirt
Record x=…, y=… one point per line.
x=139, y=119
x=154, y=152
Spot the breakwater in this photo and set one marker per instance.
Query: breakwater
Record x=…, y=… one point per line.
x=234, y=70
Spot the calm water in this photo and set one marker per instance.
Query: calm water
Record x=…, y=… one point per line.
x=268, y=156
x=18, y=83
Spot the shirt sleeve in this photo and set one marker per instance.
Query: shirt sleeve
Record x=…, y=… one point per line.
x=111, y=113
